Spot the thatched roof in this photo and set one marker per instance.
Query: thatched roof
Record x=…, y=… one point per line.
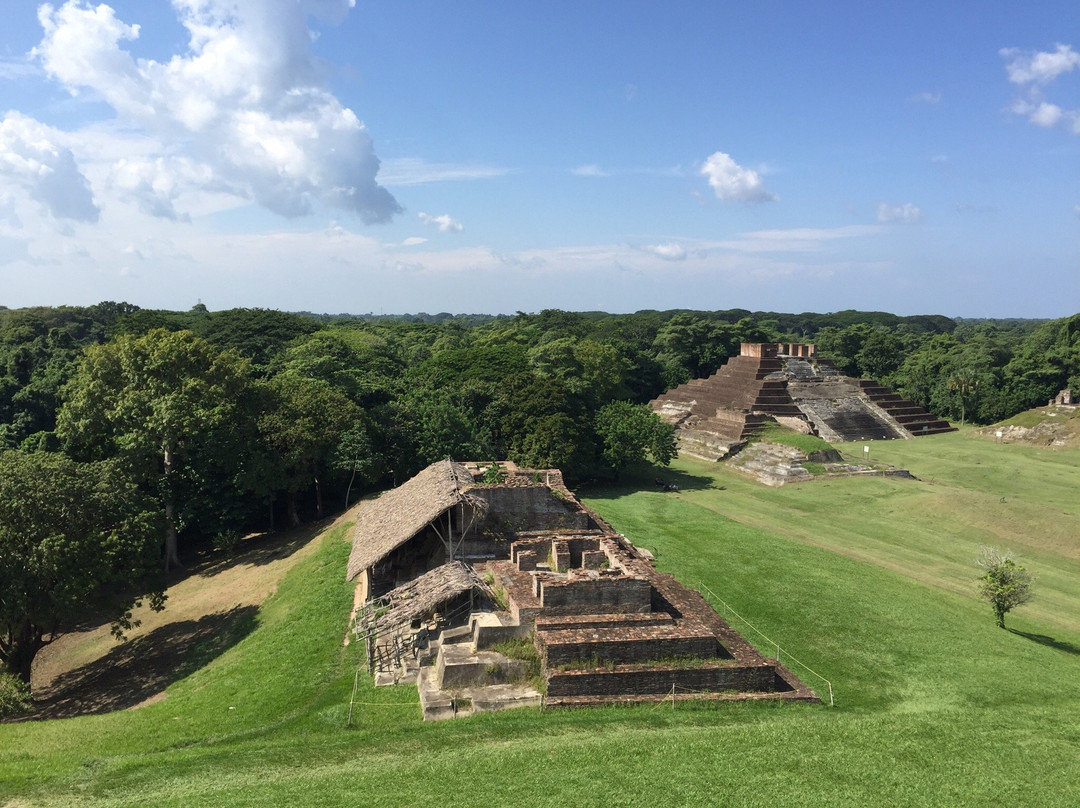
x=388, y=522
x=422, y=596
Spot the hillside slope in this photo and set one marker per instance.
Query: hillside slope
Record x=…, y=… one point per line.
x=934, y=704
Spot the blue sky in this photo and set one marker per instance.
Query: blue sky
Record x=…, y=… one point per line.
x=494, y=157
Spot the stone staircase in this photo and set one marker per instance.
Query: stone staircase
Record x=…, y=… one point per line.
x=716, y=415
x=908, y=414
x=729, y=407
x=456, y=678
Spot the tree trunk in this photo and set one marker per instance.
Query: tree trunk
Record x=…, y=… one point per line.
x=20, y=652
x=271, y=514
x=294, y=518
x=318, y=498
x=349, y=488
x=172, y=557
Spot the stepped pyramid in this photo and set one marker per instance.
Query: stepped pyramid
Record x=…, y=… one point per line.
x=788, y=383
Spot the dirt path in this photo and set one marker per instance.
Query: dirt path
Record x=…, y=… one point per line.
x=211, y=605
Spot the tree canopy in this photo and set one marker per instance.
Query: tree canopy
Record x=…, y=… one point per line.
x=151, y=399
x=74, y=538
x=1004, y=584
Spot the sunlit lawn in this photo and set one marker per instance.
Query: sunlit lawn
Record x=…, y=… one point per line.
x=867, y=581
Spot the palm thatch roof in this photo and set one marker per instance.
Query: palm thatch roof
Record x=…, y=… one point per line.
x=422, y=596
x=399, y=514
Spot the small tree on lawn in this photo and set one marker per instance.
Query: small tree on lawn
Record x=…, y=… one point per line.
x=1005, y=584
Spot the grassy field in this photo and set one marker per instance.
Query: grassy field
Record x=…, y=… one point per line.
x=867, y=581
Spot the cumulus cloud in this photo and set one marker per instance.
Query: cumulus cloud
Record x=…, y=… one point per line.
x=156, y=184
x=1035, y=71
x=1040, y=67
x=244, y=103
x=901, y=214
x=731, y=182
x=33, y=159
x=669, y=251
x=445, y=223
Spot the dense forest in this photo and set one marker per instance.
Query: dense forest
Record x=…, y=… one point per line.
x=149, y=433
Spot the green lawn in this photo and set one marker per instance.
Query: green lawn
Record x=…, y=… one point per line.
x=868, y=581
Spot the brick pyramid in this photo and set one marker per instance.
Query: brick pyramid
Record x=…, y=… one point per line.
x=770, y=382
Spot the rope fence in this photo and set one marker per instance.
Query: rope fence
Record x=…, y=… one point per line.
x=788, y=658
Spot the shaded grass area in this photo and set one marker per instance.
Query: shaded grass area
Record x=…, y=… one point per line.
x=936, y=706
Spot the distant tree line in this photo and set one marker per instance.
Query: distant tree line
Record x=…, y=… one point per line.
x=204, y=425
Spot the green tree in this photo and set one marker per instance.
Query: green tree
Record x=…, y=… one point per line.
x=74, y=538
x=303, y=422
x=356, y=455
x=965, y=383
x=150, y=399
x=630, y=432
x=1004, y=584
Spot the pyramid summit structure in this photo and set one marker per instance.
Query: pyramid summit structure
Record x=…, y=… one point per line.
x=787, y=383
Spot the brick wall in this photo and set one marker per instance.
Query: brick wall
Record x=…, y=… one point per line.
x=654, y=681
x=601, y=595
x=516, y=508
x=625, y=644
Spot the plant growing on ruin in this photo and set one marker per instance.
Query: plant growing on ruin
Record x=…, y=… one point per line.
x=1005, y=584
x=493, y=474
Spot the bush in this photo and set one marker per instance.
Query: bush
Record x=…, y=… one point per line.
x=14, y=695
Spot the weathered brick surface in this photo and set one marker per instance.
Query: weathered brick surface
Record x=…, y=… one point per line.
x=626, y=645
x=658, y=680
x=594, y=559
x=604, y=621
x=518, y=507
x=601, y=595
x=560, y=554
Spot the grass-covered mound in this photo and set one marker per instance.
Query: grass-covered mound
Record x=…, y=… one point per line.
x=1056, y=427
x=868, y=581
x=786, y=436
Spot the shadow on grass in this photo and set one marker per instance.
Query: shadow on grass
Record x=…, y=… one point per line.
x=255, y=550
x=1050, y=642
x=139, y=669
x=645, y=477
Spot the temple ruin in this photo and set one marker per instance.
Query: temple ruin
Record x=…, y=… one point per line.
x=452, y=571
x=787, y=383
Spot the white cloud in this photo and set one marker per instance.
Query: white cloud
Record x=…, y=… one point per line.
x=796, y=239
x=589, y=171
x=669, y=251
x=1033, y=72
x=413, y=241
x=244, y=104
x=1040, y=67
x=396, y=172
x=33, y=159
x=732, y=182
x=156, y=184
x=1046, y=115
x=902, y=214
x=445, y=223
